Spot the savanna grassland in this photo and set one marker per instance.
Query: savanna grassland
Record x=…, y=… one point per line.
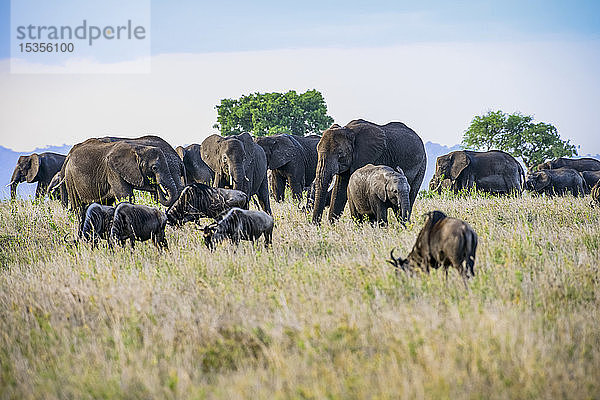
x=320, y=315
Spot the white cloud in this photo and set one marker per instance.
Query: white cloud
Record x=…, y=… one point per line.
x=434, y=88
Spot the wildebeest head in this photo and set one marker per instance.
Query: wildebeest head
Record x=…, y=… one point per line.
x=400, y=264
x=208, y=233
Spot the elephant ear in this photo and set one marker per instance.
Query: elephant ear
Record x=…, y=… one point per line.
x=210, y=151
x=34, y=167
x=284, y=151
x=460, y=161
x=123, y=159
x=369, y=143
x=180, y=152
x=379, y=189
x=544, y=179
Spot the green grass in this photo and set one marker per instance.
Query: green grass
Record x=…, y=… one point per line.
x=320, y=315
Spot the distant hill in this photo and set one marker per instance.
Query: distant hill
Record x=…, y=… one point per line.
x=8, y=160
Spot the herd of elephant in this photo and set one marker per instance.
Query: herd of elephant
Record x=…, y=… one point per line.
x=372, y=167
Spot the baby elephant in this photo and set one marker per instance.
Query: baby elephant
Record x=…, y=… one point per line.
x=237, y=224
x=138, y=222
x=375, y=188
x=96, y=223
x=443, y=241
x=556, y=182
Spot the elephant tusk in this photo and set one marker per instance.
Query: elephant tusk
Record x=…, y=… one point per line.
x=162, y=189
x=230, y=180
x=245, y=177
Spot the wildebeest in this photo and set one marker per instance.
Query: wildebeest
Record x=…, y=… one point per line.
x=198, y=200
x=138, y=222
x=237, y=224
x=96, y=223
x=443, y=241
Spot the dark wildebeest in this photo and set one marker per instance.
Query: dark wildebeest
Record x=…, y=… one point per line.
x=198, y=200
x=96, y=223
x=443, y=241
x=138, y=222
x=238, y=224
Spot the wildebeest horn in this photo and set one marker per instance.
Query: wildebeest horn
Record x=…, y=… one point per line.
x=394, y=260
x=11, y=182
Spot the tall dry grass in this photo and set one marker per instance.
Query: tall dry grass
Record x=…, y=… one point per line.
x=320, y=315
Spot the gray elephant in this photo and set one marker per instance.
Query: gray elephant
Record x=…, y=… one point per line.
x=174, y=162
x=292, y=160
x=343, y=150
x=491, y=171
x=239, y=163
x=589, y=179
x=104, y=171
x=373, y=189
x=578, y=164
x=38, y=168
x=196, y=169
x=556, y=182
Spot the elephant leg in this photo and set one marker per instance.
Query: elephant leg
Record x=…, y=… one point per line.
x=415, y=185
x=381, y=214
x=297, y=186
x=353, y=211
x=263, y=197
x=339, y=196
x=40, y=190
x=278, y=182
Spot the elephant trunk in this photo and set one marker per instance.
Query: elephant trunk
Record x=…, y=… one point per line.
x=167, y=190
x=324, y=175
x=237, y=173
x=14, y=182
x=405, y=205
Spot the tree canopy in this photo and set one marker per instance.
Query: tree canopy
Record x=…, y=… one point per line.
x=273, y=113
x=518, y=135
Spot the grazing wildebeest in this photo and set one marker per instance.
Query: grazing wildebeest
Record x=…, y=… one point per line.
x=198, y=200
x=237, y=224
x=96, y=223
x=443, y=241
x=138, y=222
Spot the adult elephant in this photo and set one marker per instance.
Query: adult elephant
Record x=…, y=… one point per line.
x=196, y=169
x=343, y=150
x=589, y=179
x=239, y=163
x=578, y=164
x=38, y=168
x=491, y=171
x=174, y=162
x=292, y=160
x=103, y=171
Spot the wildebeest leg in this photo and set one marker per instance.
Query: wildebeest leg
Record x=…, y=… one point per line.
x=268, y=237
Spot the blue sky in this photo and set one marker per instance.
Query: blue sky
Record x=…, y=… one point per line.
x=200, y=26
x=431, y=64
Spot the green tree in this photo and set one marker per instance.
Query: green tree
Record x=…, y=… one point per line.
x=272, y=113
x=517, y=135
